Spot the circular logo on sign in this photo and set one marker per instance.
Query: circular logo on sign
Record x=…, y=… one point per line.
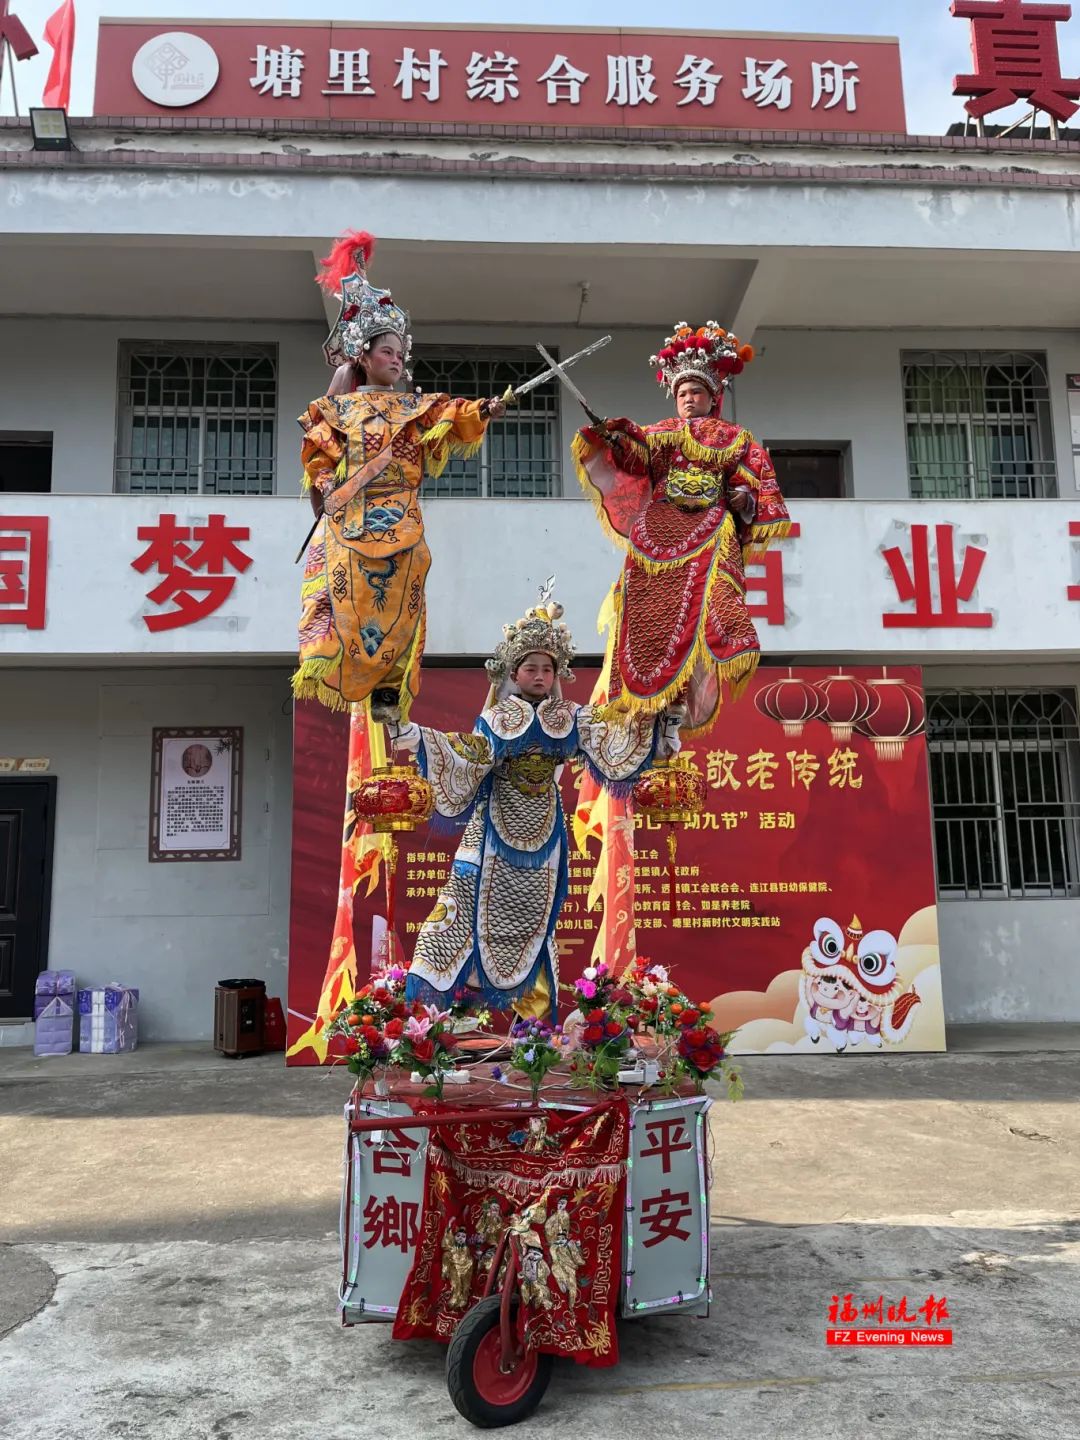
x=175, y=69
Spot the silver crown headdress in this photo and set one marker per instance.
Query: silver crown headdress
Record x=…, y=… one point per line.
x=539, y=630
x=366, y=311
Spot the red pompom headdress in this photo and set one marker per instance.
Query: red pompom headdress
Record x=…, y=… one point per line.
x=365, y=311
x=350, y=255
x=708, y=354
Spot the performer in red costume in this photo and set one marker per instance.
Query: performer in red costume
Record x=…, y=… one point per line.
x=691, y=500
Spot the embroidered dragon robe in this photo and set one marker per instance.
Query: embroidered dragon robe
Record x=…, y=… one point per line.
x=362, y=621
x=663, y=494
x=493, y=925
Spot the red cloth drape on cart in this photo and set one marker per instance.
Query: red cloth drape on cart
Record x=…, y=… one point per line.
x=559, y=1183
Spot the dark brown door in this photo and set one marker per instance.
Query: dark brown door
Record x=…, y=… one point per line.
x=26, y=819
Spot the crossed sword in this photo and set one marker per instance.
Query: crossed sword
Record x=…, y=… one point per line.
x=556, y=371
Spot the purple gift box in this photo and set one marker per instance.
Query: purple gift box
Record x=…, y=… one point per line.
x=108, y=1019
x=51, y=983
x=54, y=1027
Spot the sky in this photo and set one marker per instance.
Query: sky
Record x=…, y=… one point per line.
x=934, y=45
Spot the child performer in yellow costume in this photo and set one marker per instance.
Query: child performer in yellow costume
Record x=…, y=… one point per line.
x=366, y=449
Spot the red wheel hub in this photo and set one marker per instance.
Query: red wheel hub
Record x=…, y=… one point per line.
x=491, y=1383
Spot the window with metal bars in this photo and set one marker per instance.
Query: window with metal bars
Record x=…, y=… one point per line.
x=978, y=426
x=1004, y=772
x=519, y=459
x=196, y=419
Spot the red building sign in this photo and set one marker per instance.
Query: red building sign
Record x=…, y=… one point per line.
x=24, y=560
x=169, y=550
x=499, y=75
x=1014, y=45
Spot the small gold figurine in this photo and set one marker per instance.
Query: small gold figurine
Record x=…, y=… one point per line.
x=566, y=1256
x=535, y=1270
x=491, y=1222
x=537, y=1139
x=457, y=1265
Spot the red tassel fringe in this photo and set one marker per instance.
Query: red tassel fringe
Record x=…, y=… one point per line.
x=342, y=258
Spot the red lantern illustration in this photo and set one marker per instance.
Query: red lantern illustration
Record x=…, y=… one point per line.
x=847, y=702
x=791, y=702
x=899, y=711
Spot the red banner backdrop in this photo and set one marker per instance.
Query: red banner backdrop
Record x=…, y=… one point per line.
x=505, y=75
x=818, y=809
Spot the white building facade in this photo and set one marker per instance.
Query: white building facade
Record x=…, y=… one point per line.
x=915, y=308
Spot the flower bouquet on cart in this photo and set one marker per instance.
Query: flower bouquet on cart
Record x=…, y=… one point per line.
x=604, y=1035
x=688, y=1046
x=381, y=1029
x=535, y=1046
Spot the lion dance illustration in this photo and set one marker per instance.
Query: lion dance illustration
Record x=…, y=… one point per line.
x=850, y=990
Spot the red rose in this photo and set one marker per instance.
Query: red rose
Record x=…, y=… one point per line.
x=613, y=1027
x=401, y=1010
x=701, y=1048
x=621, y=997
x=649, y=1004
x=423, y=1049
x=689, y=1017
x=593, y=1034
x=352, y=1044
x=446, y=1039
x=393, y=1029
x=596, y=1017
x=382, y=996
x=371, y=1037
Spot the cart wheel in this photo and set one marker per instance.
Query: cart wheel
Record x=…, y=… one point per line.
x=478, y=1387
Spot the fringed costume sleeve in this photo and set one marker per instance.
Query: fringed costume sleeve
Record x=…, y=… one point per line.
x=616, y=750
x=613, y=467
x=451, y=428
x=321, y=450
x=771, y=520
x=457, y=767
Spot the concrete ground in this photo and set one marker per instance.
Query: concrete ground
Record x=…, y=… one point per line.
x=168, y=1261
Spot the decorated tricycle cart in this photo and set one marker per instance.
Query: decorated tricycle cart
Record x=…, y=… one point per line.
x=517, y=1232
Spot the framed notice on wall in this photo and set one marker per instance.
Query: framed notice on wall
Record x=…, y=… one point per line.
x=195, y=794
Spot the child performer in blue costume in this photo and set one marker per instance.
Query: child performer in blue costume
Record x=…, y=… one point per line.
x=493, y=926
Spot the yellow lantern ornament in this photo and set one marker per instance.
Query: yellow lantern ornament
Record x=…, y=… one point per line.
x=671, y=791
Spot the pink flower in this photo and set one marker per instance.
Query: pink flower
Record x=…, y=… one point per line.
x=437, y=1016
x=586, y=988
x=416, y=1029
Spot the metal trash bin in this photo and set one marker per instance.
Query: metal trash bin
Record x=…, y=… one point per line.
x=239, y=1011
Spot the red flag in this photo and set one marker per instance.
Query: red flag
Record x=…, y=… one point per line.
x=60, y=34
